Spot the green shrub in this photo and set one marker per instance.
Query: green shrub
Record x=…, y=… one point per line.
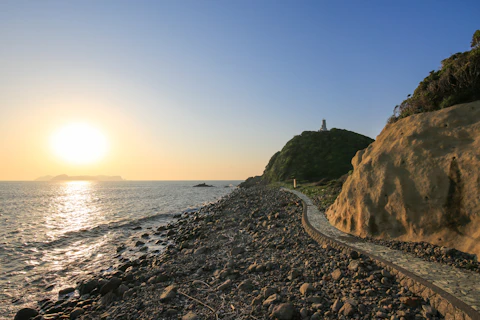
x=457, y=81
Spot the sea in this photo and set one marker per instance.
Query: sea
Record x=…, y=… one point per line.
x=53, y=234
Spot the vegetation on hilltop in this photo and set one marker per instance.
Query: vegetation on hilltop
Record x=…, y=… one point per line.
x=457, y=81
x=315, y=155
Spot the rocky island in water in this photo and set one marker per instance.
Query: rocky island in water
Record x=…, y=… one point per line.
x=202, y=185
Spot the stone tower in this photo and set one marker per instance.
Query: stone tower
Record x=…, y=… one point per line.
x=324, y=125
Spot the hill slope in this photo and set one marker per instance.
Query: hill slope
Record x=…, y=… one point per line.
x=314, y=155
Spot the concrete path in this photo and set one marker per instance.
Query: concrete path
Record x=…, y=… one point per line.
x=454, y=292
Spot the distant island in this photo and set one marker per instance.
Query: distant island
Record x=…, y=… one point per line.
x=64, y=177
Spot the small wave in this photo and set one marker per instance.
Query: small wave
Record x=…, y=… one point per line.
x=100, y=230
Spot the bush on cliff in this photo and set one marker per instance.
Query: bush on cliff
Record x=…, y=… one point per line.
x=457, y=81
x=313, y=156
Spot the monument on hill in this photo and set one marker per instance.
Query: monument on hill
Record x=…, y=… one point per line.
x=324, y=125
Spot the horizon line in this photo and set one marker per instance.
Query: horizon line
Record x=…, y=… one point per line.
x=128, y=180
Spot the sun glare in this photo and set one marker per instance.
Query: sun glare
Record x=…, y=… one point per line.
x=79, y=143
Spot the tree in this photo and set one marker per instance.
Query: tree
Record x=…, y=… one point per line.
x=475, y=40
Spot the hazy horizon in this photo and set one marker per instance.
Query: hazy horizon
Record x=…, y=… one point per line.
x=33, y=180
x=170, y=91
x=124, y=179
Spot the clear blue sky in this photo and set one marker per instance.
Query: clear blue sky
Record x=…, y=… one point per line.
x=225, y=80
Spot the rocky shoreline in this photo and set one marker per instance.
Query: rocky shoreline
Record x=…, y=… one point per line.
x=246, y=256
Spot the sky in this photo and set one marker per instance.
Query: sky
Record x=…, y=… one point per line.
x=208, y=90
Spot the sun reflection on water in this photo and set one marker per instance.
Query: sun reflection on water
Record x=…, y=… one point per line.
x=73, y=208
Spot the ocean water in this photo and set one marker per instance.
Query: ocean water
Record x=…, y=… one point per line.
x=54, y=233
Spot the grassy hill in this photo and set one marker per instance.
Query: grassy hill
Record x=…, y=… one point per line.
x=313, y=156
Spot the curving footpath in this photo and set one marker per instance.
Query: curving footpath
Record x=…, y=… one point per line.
x=453, y=292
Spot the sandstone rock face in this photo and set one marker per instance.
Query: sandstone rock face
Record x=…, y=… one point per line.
x=419, y=181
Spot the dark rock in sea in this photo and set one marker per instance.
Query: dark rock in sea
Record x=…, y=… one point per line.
x=26, y=314
x=49, y=287
x=139, y=243
x=121, y=290
x=203, y=185
x=111, y=285
x=118, y=274
x=65, y=291
x=125, y=266
x=137, y=228
x=88, y=287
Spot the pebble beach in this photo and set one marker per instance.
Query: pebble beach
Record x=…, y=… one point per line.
x=246, y=256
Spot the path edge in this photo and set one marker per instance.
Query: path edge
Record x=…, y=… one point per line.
x=448, y=305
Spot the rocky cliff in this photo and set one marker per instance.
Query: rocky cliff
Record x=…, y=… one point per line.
x=419, y=181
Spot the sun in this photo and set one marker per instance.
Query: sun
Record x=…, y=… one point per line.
x=79, y=143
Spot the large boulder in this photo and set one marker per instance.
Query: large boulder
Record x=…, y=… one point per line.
x=26, y=314
x=419, y=181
